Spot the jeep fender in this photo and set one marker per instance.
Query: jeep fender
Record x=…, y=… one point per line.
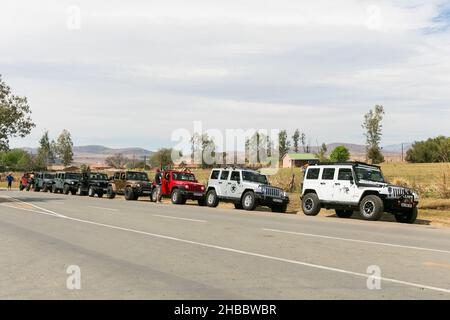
x=370, y=192
x=243, y=192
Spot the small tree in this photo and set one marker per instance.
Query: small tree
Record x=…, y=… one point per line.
x=64, y=147
x=162, y=157
x=45, y=150
x=117, y=161
x=296, y=140
x=15, y=120
x=321, y=154
x=372, y=125
x=284, y=144
x=340, y=154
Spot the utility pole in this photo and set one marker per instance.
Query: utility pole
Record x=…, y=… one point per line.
x=402, y=151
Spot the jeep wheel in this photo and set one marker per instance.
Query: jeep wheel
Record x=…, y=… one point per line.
x=66, y=189
x=110, y=194
x=176, y=197
x=153, y=195
x=311, y=204
x=249, y=201
x=73, y=192
x=46, y=189
x=91, y=192
x=100, y=194
x=407, y=217
x=211, y=199
x=344, y=213
x=371, y=208
x=238, y=206
x=129, y=194
x=54, y=189
x=37, y=189
x=279, y=208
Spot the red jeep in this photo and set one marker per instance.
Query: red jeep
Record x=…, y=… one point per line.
x=180, y=186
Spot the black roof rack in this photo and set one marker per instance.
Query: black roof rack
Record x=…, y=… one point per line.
x=353, y=163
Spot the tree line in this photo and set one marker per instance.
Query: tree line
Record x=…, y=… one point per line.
x=430, y=150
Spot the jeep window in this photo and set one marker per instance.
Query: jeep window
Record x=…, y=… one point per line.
x=117, y=175
x=313, y=174
x=369, y=174
x=123, y=176
x=49, y=176
x=224, y=175
x=181, y=176
x=215, y=174
x=345, y=174
x=138, y=176
x=235, y=176
x=254, y=177
x=328, y=174
x=72, y=176
x=98, y=176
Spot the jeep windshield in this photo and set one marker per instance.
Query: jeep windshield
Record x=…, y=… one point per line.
x=98, y=176
x=72, y=176
x=369, y=174
x=49, y=176
x=137, y=176
x=183, y=176
x=250, y=176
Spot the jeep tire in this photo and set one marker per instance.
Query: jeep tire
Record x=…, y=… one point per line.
x=176, y=196
x=110, y=194
x=129, y=194
x=249, y=201
x=91, y=192
x=66, y=189
x=54, y=189
x=211, y=199
x=100, y=194
x=371, y=208
x=344, y=213
x=154, y=194
x=311, y=204
x=407, y=217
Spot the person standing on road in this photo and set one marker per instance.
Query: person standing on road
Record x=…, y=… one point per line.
x=10, y=180
x=158, y=181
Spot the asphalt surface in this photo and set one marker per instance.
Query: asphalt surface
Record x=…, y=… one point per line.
x=142, y=250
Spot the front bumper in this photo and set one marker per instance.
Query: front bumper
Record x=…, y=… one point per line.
x=193, y=195
x=401, y=204
x=269, y=200
x=143, y=191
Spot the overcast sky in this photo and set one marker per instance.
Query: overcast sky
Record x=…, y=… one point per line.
x=131, y=72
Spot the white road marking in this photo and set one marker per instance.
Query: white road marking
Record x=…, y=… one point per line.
x=34, y=206
x=178, y=218
x=356, y=240
x=102, y=208
x=248, y=253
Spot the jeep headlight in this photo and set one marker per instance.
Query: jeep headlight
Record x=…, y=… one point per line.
x=416, y=195
x=259, y=188
x=72, y=182
x=285, y=195
x=138, y=185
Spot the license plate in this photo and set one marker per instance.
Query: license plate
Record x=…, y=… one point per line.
x=277, y=200
x=198, y=194
x=406, y=205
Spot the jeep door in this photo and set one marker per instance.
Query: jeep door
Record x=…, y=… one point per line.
x=344, y=186
x=327, y=182
x=311, y=181
x=221, y=189
x=165, y=183
x=234, y=186
x=122, y=182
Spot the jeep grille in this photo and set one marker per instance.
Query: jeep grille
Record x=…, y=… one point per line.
x=272, y=192
x=399, y=192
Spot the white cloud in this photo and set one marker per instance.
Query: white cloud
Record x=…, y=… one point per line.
x=146, y=68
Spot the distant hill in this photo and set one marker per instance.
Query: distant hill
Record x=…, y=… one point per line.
x=96, y=154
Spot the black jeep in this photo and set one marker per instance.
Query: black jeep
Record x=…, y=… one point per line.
x=93, y=183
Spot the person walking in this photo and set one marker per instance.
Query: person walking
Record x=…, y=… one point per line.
x=158, y=181
x=10, y=180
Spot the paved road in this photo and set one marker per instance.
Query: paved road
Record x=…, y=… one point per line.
x=143, y=250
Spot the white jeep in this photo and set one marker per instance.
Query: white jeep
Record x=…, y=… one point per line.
x=356, y=186
x=245, y=188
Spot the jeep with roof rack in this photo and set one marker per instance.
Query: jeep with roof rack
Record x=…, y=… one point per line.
x=356, y=186
x=245, y=188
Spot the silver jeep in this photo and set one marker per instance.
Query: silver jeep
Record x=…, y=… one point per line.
x=245, y=188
